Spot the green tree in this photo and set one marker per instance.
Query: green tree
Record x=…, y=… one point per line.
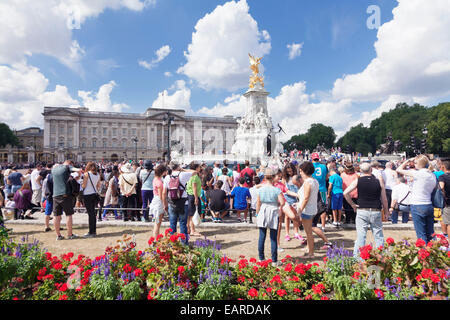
x=360, y=139
x=7, y=136
x=438, y=140
x=316, y=134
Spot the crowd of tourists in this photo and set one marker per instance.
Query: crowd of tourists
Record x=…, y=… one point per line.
x=308, y=197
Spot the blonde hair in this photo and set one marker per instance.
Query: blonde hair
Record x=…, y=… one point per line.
x=422, y=161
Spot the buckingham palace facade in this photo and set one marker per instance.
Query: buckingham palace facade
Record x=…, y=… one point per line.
x=82, y=135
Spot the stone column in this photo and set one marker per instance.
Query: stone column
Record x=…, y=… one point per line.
x=47, y=134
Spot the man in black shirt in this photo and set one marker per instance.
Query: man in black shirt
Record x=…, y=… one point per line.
x=371, y=203
x=217, y=202
x=444, y=182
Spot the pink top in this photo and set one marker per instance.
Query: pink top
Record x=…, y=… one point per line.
x=282, y=187
x=347, y=179
x=157, y=186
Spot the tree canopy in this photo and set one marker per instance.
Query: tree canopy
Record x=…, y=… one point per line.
x=403, y=122
x=7, y=136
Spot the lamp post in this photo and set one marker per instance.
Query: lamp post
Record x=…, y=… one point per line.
x=168, y=119
x=424, y=140
x=135, y=140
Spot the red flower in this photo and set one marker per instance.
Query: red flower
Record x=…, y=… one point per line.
x=173, y=238
x=127, y=268
x=168, y=231
x=300, y=269
x=151, y=294
x=420, y=243
x=324, y=298
x=281, y=292
x=379, y=293
x=295, y=279
x=318, y=289
x=150, y=241
x=180, y=269
x=364, y=255
x=423, y=254
x=390, y=241
x=297, y=290
x=137, y=272
x=435, y=278
x=356, y=275
x=253, y=293
x=255, y=269
x=243, y=263
x=308, y=297
x=63, y=287
x=252, y=260
x=418, y=278
x=58, y=266
x=288, y=267
x=241, y=279
x=159, y=236
x=269, y=290
x=63, y=297
x=426, y=273
x=276, y=279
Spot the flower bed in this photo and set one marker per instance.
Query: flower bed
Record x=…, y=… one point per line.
x=170, y=270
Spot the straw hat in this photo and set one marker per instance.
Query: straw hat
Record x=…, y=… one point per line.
x=126, y=168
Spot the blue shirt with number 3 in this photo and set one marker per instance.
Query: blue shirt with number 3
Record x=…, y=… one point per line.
x=320, y=174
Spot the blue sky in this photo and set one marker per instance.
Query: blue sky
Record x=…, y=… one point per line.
x=335, y=40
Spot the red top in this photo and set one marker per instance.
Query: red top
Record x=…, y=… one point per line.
x=251, y=173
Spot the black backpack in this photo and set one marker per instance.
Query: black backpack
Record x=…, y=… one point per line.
x=248, y=179
x=74, y=187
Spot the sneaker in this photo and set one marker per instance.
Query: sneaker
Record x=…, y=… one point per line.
x=287, y=238
x=73, y=236
x=323, y=229
x=276, y=264
x=47, y=229
x=280, y=249
x=89, y=235
x=326, y=246
x=335, y=224
x=60, y=238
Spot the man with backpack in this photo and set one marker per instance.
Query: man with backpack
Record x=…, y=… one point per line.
x=248, y=173
x=65, y=190
x=175, y=198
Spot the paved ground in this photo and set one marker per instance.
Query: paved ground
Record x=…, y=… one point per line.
x=235, y=238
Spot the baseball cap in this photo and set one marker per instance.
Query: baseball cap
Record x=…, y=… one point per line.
x=315, y=155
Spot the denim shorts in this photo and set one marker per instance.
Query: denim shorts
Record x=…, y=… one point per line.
x=307, y=216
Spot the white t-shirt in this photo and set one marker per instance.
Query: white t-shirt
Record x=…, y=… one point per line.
x=423, y=185
x=399, y=192
x=311, y=205
x=254, y=194
x=34, y=176
x=89, y=188
x=390, y=178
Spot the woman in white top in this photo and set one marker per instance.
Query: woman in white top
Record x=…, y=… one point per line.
x=307, y=205
x=422, y=211
x=227, y=181
x=91, y=185
x=157, y=205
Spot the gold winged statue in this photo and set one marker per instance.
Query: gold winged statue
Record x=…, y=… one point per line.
x=254, y=66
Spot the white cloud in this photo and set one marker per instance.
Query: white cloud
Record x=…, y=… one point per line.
x=168, y=74
x=161, y=54
x=412, y=56
x=101, y=101
x=179, y=99
x=217, y=57
x=295, y=50
x=45, y=27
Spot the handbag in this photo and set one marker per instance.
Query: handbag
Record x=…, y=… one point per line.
x=321, y=206
x=397, y=205
x=437, y=197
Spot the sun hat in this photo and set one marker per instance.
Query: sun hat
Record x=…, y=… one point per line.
x=126, y=168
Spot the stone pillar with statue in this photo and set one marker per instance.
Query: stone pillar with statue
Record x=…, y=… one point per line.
x=256, y=140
